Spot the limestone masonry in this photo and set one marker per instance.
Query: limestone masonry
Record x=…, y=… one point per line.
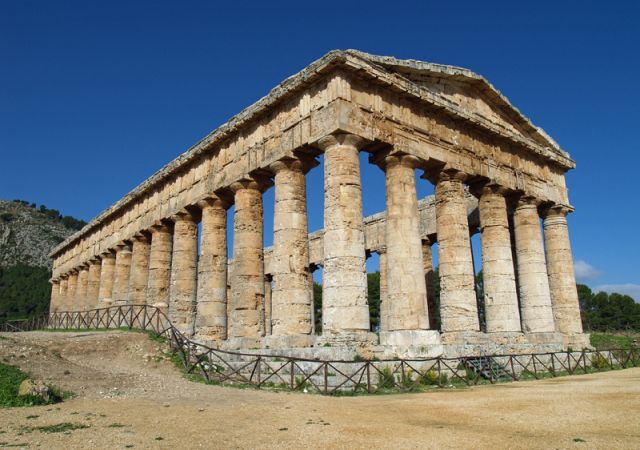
x=494, y=173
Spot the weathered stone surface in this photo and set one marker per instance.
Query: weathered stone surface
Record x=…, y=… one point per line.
x=562, y=281
x=107, y=274
x=72, y=286
x=344, y=279
x=184, y=267
x=62, y=300
x=54, y=305
x=291, y=306
x=93, y=283
x=406, y=288
x=211, y=315
x=498, y=272
x=247, y=284
x=121, y=274
x=159, y=278
x=458, y=305
x=138, y=278
x=533, y=283
x=81, y=291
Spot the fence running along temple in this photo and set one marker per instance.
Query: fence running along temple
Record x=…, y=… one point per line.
x=494, y=172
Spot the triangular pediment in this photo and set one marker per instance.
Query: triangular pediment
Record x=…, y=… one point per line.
x=465, y=91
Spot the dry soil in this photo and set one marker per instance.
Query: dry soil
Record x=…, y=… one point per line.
x=131, y=397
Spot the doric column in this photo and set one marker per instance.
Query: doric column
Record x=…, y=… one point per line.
x=54, y=304
x=122, y=271
x=458, y=306
x=384, y=291
x=562, y=281
x=535, y=299
x=407, y=293
x=63, y=301
x=268, y=328
x=429, y=281
x=107, y=272
x=81, y=291
x=140, y=250
x=72, y=289
x=290, y=301
x=160, y=265
x=211, y=305
x=344, y=280
x=184, y=272
x=500, y=294
x=93, y=282
x=247, y=282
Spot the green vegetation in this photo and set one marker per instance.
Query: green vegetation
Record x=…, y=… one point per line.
x=24, y=292
x=67, y=221
x=58, y=428
x=604, y=341
x=606, y=312
x=10, y=379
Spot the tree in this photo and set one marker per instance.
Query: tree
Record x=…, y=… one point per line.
x=373, y=288
x=24, y=292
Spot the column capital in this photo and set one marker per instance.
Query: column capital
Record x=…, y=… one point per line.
x=444, y=173
x=107, y=254
x=520, y=200
x=555, y=210
x=95, y=259
x=391, y=158
x=141, y=236
x=164, y=225
x=184, y=215
x=488, y=187
x=302, y=163
x=340, y=139
x=255, y=182
x=54, y=280
x=215, y=200
x=123, y=246
x=64, y=276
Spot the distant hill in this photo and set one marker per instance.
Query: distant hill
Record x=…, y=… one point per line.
x=28, y=233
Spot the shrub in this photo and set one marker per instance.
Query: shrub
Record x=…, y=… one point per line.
x=386, y=379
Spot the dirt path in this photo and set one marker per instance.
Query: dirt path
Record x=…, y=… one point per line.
x=130, y=399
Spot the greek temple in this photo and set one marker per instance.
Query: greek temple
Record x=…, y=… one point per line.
x=493, y=171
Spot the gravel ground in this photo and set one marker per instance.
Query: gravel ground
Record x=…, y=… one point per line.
x=130, y=396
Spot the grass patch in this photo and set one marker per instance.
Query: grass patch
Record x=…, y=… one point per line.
x=10, y=379
x=59, y=427
x=605, y=341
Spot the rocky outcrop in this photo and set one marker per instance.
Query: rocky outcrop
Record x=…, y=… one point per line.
x=28, y=235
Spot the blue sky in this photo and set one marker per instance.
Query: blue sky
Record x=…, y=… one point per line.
x=96, y=96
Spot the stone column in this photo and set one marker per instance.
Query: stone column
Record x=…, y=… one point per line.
x=139, y=269
x=54, y=304
x=81, y=291
x=268, y=328
x=500, y=294
x=384, y=291
x=290, y=302
x=122, y=271
x=344, y=280
x=429, y=281
x=211, y=305
x=407, y=293
x=159, y=266
x=72, y=301
x=458, y=306
x=184, y=272
x=247, y=282
x=93, y=283
x=535, y=298
x=562, y=281
x=107, y=271
x=63, y=301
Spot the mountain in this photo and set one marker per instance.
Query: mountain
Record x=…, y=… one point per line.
x=28, y=233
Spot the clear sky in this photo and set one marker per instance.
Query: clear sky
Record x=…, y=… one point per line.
x=97, y=96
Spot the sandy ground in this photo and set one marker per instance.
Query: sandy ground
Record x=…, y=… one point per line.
x=130, y=398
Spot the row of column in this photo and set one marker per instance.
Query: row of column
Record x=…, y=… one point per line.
x=161, y=266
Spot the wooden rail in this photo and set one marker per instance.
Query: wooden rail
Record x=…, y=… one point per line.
x=216, y=365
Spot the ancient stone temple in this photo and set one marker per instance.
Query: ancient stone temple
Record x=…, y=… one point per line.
x=493, y=171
